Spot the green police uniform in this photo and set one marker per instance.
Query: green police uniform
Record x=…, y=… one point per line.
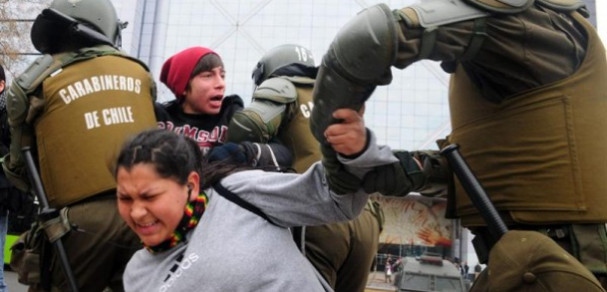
x=81, y=107
x=74, y=107
x=80, y=110
x=525, y=97
x=281, y=108
x=529, y=261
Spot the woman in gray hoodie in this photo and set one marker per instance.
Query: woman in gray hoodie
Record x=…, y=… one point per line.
x=223, y=227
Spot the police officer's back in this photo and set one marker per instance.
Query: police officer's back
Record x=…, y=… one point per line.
x=75, y=106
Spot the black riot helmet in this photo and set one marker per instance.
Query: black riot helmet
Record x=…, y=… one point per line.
x=279, y=57
x=87, y=22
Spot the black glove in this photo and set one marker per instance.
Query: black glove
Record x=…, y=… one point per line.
x=229, y=152
x=271, y=154
x=340, y=181
x=389, y=180
x=252, y=154
x=436, y=173
x=396, y=179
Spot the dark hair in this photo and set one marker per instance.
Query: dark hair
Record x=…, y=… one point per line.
x=172, y=155
x=3, y=78
x=2, y=75
x=206, y=63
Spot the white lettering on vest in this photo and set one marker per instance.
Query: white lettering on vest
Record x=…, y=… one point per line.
x=117, y=115
x=306, y=110
x=96, y=84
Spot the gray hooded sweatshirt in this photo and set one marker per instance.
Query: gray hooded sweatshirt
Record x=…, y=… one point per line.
x=233, y=249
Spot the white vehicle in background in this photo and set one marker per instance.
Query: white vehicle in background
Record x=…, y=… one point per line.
x=428, y=273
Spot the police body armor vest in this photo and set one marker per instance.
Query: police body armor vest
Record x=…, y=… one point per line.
x=296, y=134
x=539, y=155
x=90, y=108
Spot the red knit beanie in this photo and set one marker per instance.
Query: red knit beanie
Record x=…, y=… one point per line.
x=177, y=70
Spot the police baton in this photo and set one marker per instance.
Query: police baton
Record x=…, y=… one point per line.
x=475, y=191
x=48, y=213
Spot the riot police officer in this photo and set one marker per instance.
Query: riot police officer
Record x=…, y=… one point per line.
x=281, y=108
x=75, y=105
x=526, y=97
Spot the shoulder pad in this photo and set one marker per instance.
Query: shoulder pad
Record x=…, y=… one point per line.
x=279, y=90
x=30, y=78
x=300, y=80
x=562, y=5
x=103, y=50
x=437, y=13
x=502, y=6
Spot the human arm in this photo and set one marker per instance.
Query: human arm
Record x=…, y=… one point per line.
x=310, y=198
x=306, y=199
x=488, y=47
x=260, y=121
x=425, y=172
x=411, y=171
x=21, y=135
x=256, y=126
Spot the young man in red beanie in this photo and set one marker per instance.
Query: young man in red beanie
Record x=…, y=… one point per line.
x=200, y=111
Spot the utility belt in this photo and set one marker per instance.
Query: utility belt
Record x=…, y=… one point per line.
x=484, y=240
x=56, y=223
x=31, y=253
x=586, y=242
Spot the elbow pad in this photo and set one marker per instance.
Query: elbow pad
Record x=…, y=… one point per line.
x=260, y=121
x=247, y=125
x=359, y=59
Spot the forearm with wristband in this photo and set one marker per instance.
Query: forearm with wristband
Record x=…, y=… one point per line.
x=417, y=171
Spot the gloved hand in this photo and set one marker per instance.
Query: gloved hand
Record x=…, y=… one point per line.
x=436, y=173
x=252, y=154
x=340, y=181
x=271, y=154
x=229, y=152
